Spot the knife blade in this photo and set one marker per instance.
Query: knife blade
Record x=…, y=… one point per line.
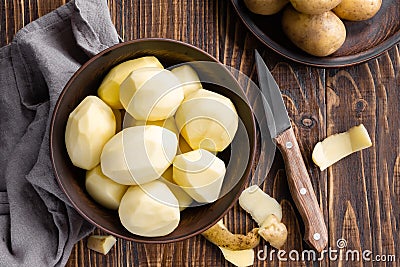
x=300, y=186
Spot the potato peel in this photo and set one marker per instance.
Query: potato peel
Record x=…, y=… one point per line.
x=273, y=231
x=338, y=146
x=239, y=258
x=222, y=237
x=267, y=212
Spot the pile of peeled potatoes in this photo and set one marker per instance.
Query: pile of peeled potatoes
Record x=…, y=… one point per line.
x=163, y=156
x=316, y=26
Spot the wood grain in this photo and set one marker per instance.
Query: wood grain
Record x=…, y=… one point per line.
x=366, y=94
x=359, y=196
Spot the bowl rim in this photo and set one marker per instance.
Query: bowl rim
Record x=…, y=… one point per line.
x=247, y=172
x=320, y=62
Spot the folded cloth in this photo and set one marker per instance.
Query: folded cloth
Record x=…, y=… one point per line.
x=38, y=226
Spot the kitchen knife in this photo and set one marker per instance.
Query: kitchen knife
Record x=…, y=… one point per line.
x=300, y=186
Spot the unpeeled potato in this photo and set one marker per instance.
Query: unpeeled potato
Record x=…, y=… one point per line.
x=265, y=7
x=314, y=7
x=357, y=9
x=319, y=35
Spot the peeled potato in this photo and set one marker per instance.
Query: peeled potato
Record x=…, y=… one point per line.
x=265, y=7
x=100, y=243
x=151, y=94
x=103, y=190
x=149, y=210
x=118, y=119
x=139, y=154
x=189, y=79
x=183, y=198
x=169, y=123
x=183, y=145
x=319, y=35
x=314, y=7
x=90, y=125
x=200, y=173
x=109, y=88
x=207, y=120
x=357, y=10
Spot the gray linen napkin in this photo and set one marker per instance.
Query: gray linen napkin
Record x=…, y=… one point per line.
x=38, y=226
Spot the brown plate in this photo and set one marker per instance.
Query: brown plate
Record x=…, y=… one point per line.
x=86, y=81
x=365, y=39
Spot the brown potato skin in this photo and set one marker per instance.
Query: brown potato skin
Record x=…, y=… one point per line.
x=265, y=7
x=314, y=7
x=357, y=10
x=318, y=35
x=222, y=237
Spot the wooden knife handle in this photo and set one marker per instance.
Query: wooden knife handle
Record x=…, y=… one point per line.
x=302, y=191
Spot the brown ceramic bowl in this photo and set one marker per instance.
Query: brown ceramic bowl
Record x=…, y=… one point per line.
x=85, y=82
x=364, y=41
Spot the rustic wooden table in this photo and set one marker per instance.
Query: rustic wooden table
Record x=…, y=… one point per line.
x=359, y=196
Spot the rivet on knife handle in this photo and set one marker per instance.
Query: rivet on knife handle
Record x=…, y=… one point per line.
x=301, y=189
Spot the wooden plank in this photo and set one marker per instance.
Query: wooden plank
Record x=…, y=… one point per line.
x=15, y=14
x=360, y=202
x=363, y=188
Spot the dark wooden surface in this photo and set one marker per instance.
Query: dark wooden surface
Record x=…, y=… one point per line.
x=359, y=196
